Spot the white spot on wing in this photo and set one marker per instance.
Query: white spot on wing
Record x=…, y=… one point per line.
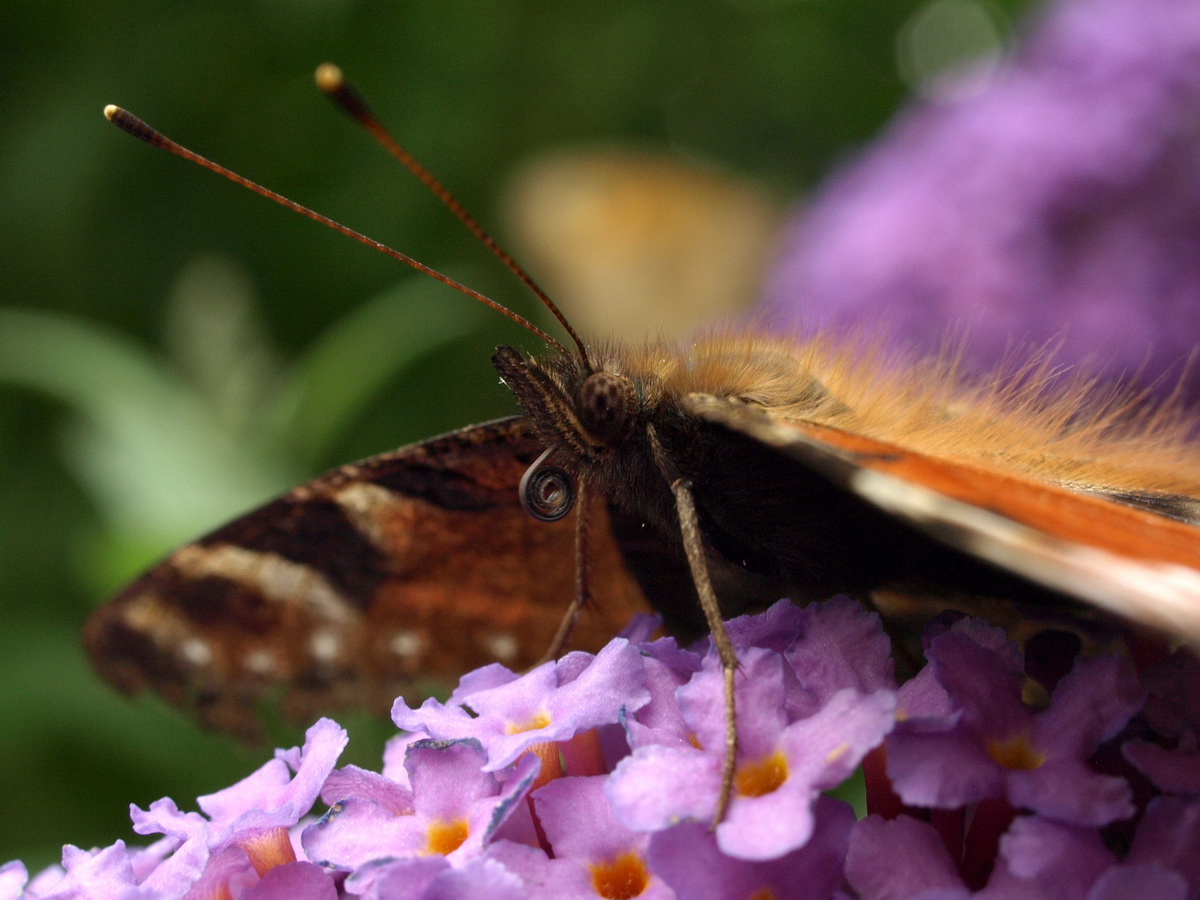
x=195, y=651
x=503, y=646
x=374, y=511
x=325, y=645
x=276, y=579
x=260, y=662
x=406, y=644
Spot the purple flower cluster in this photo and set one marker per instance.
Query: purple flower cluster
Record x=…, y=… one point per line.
x=1060, y=202
x=598, y=776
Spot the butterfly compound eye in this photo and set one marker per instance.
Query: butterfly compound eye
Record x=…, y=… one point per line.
x=606, y=407
x=547, y=492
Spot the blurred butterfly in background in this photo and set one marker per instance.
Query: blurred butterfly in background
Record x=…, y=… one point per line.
x=764, y=465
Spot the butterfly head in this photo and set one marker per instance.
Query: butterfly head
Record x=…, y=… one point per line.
x=593, y=423
x=582, y=413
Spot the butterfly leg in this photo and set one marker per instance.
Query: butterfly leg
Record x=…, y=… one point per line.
x=693, y=546
x=689, y=527
x=583, y=593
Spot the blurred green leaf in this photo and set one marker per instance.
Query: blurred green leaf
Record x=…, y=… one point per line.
x=351, y=362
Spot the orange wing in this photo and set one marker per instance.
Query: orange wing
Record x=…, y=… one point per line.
x=1138, y=564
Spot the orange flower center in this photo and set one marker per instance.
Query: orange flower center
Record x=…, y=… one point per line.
x=761, y=777
x=445, y=837
x=1015, y=753
x=267, y=849
x=622, y=879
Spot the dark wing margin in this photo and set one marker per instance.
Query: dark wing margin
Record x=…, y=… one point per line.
x=1174, y=506
x=389, y=576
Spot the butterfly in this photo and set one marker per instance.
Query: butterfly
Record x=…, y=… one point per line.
x=708, y=479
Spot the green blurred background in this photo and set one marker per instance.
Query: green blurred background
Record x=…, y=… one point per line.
x=173, y=350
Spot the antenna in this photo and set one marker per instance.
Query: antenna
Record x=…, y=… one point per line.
x=332, y=82
x=131, y=124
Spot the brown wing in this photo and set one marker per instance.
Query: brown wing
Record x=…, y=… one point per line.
x=1109, y=552
x=393, y=575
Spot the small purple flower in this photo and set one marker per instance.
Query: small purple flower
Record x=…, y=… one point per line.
x=996, y=746
x=593, y=853
x=453, y=810
x=1060, y=202
x=554, y=702
x=782, y=765
x=247, y=832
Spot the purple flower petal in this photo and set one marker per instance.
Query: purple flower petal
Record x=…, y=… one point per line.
x=1152, y=880
x=578, y=821
x=660, y=721
x=1173, y=703
x=641, y=627
x=227, y=873
x=759, y=690
x=892, y=860
x=1169, y=833
x=433, y=878
x=776, y=628
x=13, y=876
x=841, y=645
x=1069, y=791
x=272, y=797
x=351, y=781
x=687, y=858
x=1039, y=858
x=294, y=881
x=97, y=873
x=1173, y=771
x=1090, y=705
x=941, y=771
x=657, y=786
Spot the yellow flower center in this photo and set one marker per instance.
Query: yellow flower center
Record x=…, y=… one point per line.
x=1015, y=753
x=622, y=879
x=763, y=893
x=445, y=837
x=536, y=721
x=762, y=777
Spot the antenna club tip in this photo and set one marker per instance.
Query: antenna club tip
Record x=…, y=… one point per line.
x=111, y=111
x=329, y=78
